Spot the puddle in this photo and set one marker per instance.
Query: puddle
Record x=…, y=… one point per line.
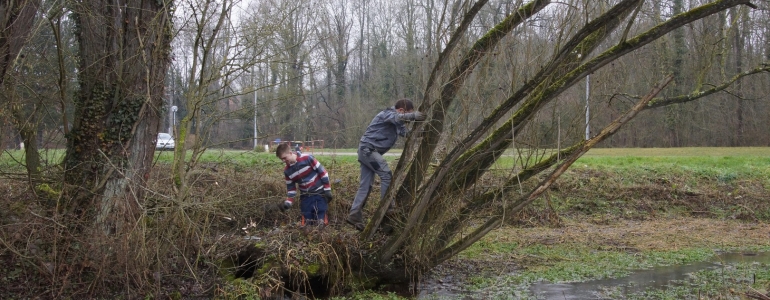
x=443, y=288
x=639, y=281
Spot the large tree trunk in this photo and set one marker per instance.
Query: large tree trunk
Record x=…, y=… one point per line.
x=124, y=54
x=739, y=35
x=674, y=113
x=27, y=124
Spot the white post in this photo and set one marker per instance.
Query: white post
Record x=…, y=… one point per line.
x=588, y=89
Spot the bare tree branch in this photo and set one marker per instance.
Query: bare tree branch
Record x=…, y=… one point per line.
x=608, y=131
x=655, y=103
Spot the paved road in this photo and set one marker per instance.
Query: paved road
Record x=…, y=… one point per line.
x=332, y=153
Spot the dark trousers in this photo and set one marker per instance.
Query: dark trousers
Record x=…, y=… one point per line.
x=313, y=208
x=372, y=163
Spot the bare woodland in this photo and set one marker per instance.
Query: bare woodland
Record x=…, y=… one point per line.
x=99, y=79
x=346, y=61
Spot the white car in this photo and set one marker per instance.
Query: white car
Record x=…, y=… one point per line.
x=164, y=141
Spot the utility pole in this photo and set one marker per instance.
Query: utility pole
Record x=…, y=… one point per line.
x=171, y=105
x=255, y=119
x=253, y=79
x=588, y=110
x=172, y=131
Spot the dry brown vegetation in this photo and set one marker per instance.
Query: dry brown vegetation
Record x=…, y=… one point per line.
x=643, y=235
x=191, y=249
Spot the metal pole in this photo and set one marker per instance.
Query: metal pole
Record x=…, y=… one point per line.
x=170, y=104
x=173, y=120
x=255, y=118
x=588, y=89
x=254, y=80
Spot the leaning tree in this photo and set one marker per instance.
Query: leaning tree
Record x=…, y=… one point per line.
x=435, y=201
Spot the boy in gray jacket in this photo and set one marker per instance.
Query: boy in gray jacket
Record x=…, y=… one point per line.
x=379, y=137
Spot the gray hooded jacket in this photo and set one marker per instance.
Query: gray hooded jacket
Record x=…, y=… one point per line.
x=385, y=129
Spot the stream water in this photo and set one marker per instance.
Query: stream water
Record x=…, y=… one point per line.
x=638, y=281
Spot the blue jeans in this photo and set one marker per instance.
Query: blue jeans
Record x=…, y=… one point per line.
x=313, y=208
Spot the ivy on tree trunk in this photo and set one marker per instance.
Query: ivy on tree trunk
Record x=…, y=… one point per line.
x=123, y=57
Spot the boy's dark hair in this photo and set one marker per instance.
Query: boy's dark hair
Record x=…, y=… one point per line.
x=405, y=103
x=282, y=148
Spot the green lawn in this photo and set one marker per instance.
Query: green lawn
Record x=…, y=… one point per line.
x=715, y=157
x=686, y=151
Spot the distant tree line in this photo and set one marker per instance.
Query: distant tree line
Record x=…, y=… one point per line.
x=321, y=69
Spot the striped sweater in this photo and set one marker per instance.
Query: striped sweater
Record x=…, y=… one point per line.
x=308, y=174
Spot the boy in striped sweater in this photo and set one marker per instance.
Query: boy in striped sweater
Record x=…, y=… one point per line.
x=305, y=171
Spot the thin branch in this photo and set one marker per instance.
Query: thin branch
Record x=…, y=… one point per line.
x=482, y=201
x=543, y=186
x=631, y=22
x=697, y=95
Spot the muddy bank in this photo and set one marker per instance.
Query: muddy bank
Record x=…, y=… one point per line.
x=491, y=267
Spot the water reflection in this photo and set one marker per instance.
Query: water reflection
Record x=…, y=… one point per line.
x=447, y=287
x=638, y=281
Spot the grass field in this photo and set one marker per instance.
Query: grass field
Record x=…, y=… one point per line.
x=619, y=158
x=678, y=152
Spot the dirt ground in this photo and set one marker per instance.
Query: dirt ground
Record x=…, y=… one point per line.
x=657, y=234
x=631, y=236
